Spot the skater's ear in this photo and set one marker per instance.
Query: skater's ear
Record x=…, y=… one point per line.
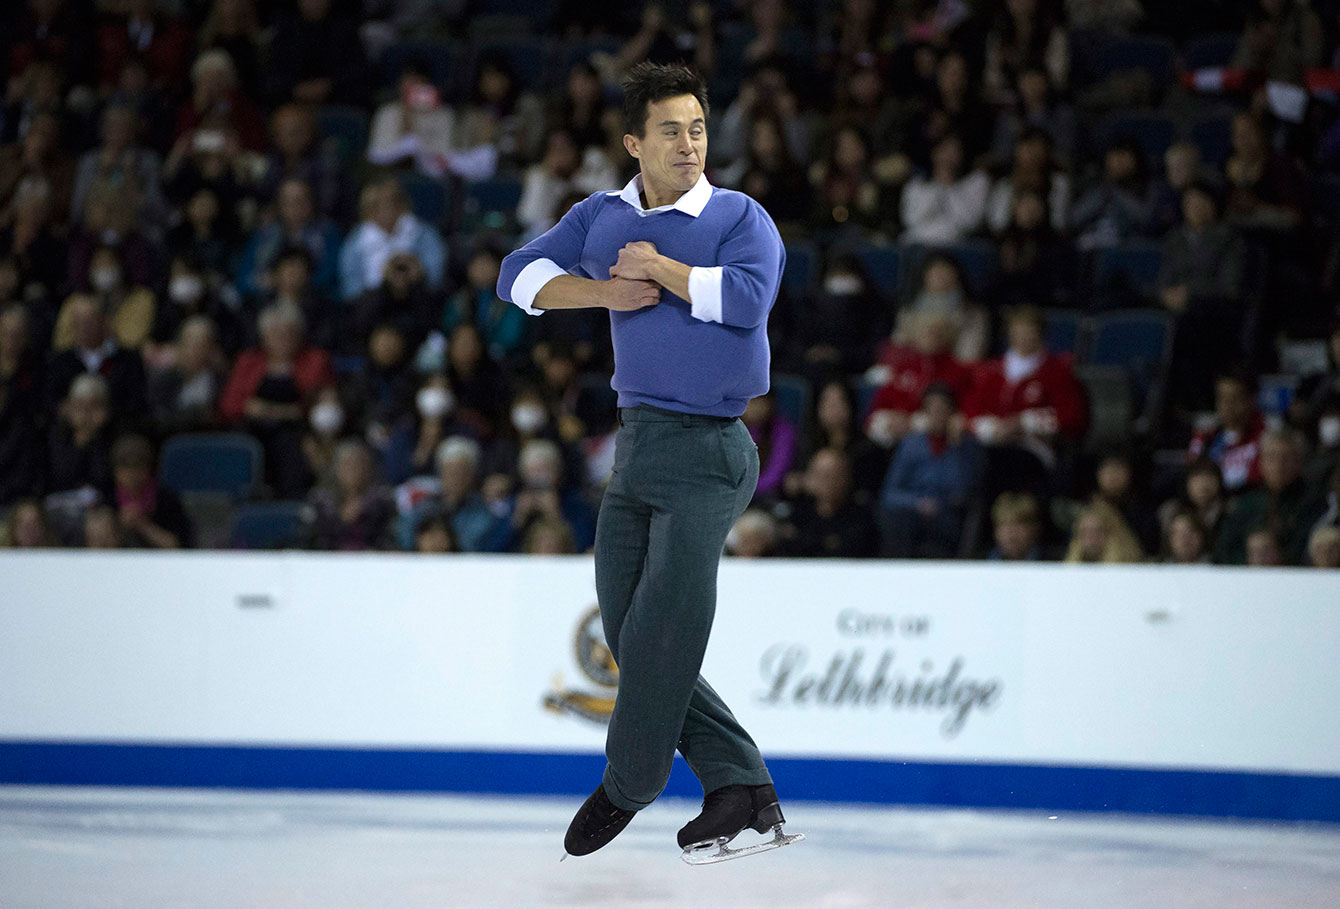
x=632, y=145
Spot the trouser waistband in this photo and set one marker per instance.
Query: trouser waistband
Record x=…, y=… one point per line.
x=647, y=413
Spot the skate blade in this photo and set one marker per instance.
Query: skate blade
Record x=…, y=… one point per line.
x=704, y=854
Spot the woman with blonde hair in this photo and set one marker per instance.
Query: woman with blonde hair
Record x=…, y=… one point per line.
x=1101, y=535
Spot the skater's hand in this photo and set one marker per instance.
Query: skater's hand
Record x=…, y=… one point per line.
x=637, y=261
x=624, y=294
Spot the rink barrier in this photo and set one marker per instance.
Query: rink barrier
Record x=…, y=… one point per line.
x=1180, y=690
x=1088, y=789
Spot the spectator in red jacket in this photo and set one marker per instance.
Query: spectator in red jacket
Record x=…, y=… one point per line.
x=217, y=107
x=1233, y=441
x=269, y=391
x=908, y=370
x=1024, y=406
x=1028, y=396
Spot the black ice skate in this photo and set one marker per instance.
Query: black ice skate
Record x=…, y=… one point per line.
x=726, y=813
x=596, y=823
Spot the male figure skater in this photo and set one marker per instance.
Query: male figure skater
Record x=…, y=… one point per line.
x=689, y=273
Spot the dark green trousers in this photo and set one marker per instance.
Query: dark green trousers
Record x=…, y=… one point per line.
x=679, y=483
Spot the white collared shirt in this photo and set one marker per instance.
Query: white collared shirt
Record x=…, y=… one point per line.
x=691, y=203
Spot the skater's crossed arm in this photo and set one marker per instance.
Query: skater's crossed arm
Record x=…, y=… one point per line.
x=536, y=277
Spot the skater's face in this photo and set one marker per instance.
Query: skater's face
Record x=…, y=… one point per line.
x=671, y=149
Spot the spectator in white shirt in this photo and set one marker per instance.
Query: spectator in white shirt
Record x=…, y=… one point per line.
x=415, y=128
x=565, y=168
x=948, y=205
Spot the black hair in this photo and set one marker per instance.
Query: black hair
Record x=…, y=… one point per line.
x=1243, y=376
x=1034, y=133
x=294, y=251
x=417, y=66
x=1208, y=190
x=940, y=390
x=647, y=83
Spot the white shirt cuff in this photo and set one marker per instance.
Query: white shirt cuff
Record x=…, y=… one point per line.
x=704, y=293
x=531, y=280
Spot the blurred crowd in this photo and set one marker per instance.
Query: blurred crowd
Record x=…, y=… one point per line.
x=282, y=223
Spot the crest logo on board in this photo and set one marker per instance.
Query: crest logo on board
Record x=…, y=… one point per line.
x=595, y=700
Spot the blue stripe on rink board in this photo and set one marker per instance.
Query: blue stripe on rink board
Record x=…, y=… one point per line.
x=1187, y=792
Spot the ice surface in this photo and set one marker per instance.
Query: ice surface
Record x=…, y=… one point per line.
x=66, y=847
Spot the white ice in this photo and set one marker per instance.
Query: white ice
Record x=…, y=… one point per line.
x=83, y=847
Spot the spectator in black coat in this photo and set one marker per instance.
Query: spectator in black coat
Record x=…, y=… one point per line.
x=150, y=516
x=1036, y=261
x=318, y=57
x=183, y=397
x=80, y=442
x=95, y=352
x=826, y=522
x=1283, y=508
x=20, y=450
x=352, y=510
x=403, y=301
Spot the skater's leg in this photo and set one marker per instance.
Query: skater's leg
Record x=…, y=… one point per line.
x=713, y=742
x=664, y=634
x=620, y=550
x=717, y=748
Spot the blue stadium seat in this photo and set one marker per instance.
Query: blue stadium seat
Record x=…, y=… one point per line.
x=348, y=364
x=792, y=395
x=1111, y=406
x=977, y=260
x=883, y=268
x=528, y=56
x=346, y=126
x=801, y=272
x=1063, y=328
x=1133, y=266
x=265, y=525
x=441, y=58
x=1325, y=193
x=227, y=464
x=1151, y=130
x=428, y=197
x=865, y=396
x=538, y=12
x=1213, y=136
x=490, y=204
x=1137, y=340
x=1154, y=54
x=580, y=50
x=1210, y=50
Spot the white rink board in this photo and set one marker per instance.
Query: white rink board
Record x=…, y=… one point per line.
x=1209, y=668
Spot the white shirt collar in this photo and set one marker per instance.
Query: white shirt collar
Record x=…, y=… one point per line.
x=691, y=203
x=1018, y=367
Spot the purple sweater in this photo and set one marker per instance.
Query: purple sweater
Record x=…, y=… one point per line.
x=707, y=356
